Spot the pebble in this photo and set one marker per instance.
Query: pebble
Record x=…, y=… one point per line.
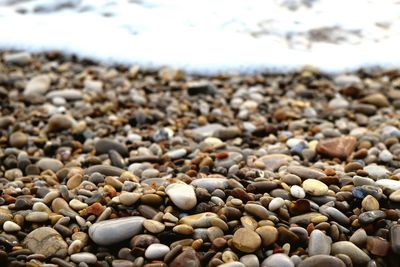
x=37, y=86
x=306, y=173
x=268, y=234
x=297, y=191
x=339, y=147
x=10, y=226
x=18, y=58
x=315, y=187
x=357, y=256
x=395, y=196
x=18, y=139
x=395, y=238
x=370, y=203
x=46, y=241
x=277, y=260
x=156, y=251
x=250, y=260
x=153, y=226
x=128, y=198
x=37, y=216
x=378, y=246
x=246, y=240
x=49, y=164
x=103, y=146
x=59, y=122
x=187, y=258
x=67, y=94
x=276, y=204
x=85, y=257
x=182, y=195
x=102, y=233
x=319, y=243
x=322, y=260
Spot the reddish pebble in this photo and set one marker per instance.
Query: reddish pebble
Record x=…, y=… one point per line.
x=95, y=209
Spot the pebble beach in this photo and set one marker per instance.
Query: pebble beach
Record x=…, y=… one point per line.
x=116, y=166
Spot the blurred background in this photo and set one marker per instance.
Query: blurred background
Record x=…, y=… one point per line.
x=208, y=37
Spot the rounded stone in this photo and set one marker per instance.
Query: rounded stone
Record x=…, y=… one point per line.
x=46, y=241
x=370, y=203
x=269, y=234
x=104, y=232
x=315, y=187
x=358, y=257
x=156, y=251
x=37, y=216
x=277, y=260
x=49, y=164
x=246, y=240
x=18, y=139
x=85, y=257
x=153, y=226
x=103, y=146
x=128, y=198
x=59, y=122
x=322, y=260
x=250, y=260
x=182, y=195
x=10, y=226
x=395, y=196
x=297, y=191
x=319, y=243
x=276, y=204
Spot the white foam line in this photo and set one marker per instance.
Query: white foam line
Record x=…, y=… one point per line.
x=156, y=34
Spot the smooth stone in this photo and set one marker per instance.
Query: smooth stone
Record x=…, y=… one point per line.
x=102, y=146
x=305, y=219
x=339, y=147
x=37, y=86
x=388, y=183
x=188, y=257
x=210, y=184
x=85, y=257
x=49, y=164
x=335, y=214
x=10, y=226
x=395, y=238
x=277, y=260
x=46, y=241
x=156, y=251
x=378, y=246
x=128, y=198
x=37, y=216
x=18, y=58
x=232, y=264
x=257, y=210
x=370, y=203
x=115, y=230
x=319, y=243
x=176, y=154
x=268, y=234
x=59, y=122
x=67, y=94
x=276, y=204
x=359, y=237
x=358, y=257
x=105, y=170
x=273, y=162
x=207, y=130
x=322, y=260
x=246, y=240
x=153, y=226
x=250, y=260
x=379, y=100
x=201, y=220
x=395, y=196
x=122, y=263
x=371, y=216
x=18, y=139
x=385, y=156
x=376, y=172
x=315, y=187
x=182, y=195
x=306, y=173
x=297, y=191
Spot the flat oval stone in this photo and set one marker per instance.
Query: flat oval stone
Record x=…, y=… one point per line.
x=388, y=183
x=277, y=260
x=10, y=226
x=182, y=195
x=49, y=164
x=315, y=187
x=201, y=220
x=358, y=257
x=104, y=145
x=37, y=216
x=156, y=251
x=305, y=219
x=322, y=260
x=306, y=173
x=246, y=240
x=371, y=216
x=268, y=234
x=46, y=241
x=67, y=94
x=116, y=230
x=105, y=170
x=85, y=257
x=297, y=191
x=395, y=238
x=211, y=183
x=319, y=243
x=339, y=147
